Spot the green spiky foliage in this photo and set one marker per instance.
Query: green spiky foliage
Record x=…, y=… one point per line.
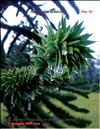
x=65, y=48
x=29, y=90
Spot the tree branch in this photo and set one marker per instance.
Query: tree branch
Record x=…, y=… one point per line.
x=23, y=31
x=4, y=39
x=61, y=8
x=38, y=11
x=25, y=14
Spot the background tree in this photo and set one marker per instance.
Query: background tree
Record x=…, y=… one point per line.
x=91, y=75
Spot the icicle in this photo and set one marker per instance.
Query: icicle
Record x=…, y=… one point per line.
x=33, y=97
x=76, y=72
x=64, y=52
x=52, y=79
x=41, y=78
x=57, y=89
x=48, y=55
x=12, y=102
x=34, y=73
x=59, y=69
x=54, y=70
x=29, y=106
x=87, y=67
x=50, y=67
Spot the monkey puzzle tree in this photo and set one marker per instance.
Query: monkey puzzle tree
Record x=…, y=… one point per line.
x=29, y=89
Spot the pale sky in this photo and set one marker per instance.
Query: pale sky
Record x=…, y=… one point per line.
x=91, y=20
